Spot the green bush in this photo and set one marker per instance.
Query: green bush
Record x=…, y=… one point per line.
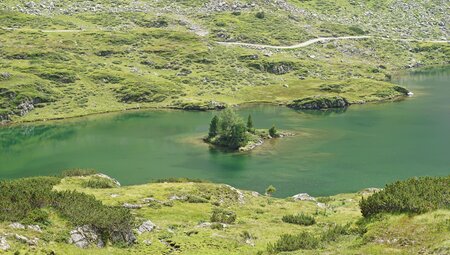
x=37, y=216
x=78, y=172
x=288, y=242
x=22, y=200
x=335, y=231
x=223, y=216
x=299, y=219
x=18, y=198
x=415, y=195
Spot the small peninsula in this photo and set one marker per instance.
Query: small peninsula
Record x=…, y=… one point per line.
x=229, y=131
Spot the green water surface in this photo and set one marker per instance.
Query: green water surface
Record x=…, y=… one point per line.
x=333, y=152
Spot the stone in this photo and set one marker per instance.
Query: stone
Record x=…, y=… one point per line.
x=109, y=178
x=303, y=197
x=115, y=195
x=36, y=228
x=84, y=236
x=175, y=197
x=26, y=240
x=132, y=206
x=4, y=245
x=16, y=225
x=126, y=237
x=147, y=242
x=150, y=200
x=147, y=226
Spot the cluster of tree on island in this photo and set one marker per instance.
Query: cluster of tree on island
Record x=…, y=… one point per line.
x=229, y=130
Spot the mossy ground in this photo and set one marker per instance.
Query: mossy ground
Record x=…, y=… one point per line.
x=92, y=61
x=260, y=216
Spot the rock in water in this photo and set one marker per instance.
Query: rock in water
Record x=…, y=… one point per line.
x=147, y=226
x=303, y=197
x=85, y=235
x=4, y=245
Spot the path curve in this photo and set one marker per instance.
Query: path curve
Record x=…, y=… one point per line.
x=323, y=39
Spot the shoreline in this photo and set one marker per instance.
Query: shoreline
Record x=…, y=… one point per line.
x=172, y=108
x=396, y=75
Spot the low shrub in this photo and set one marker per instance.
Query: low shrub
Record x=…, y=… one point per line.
x=334, y=232
x=299, y=219
x=289, y=242
x=19, y=198
x=415, y=195
x=223, y=216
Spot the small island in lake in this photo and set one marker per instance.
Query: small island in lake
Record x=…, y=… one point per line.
x=228, y=130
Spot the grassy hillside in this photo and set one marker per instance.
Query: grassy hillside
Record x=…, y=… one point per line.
x=183, y=213
x=70, y=58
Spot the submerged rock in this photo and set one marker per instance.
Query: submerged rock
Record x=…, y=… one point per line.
x=319, y=102
x=303, y=197
x=147, y=226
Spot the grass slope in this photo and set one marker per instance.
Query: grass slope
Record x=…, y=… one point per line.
x=73, y=58
x=259, y=222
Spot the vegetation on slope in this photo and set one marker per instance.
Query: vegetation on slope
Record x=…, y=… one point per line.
x=417, y=195
x=228, y=221
x=73, y=58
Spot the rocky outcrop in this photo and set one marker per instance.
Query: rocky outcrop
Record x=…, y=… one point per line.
x=25, y=107
x=124, y=237
x=319, y=102
x=4, y=245
x=147, y=226
x=116, y=182
x=303, y=197
x=84, y=236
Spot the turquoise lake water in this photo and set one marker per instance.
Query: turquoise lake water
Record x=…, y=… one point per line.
x=333, y=152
